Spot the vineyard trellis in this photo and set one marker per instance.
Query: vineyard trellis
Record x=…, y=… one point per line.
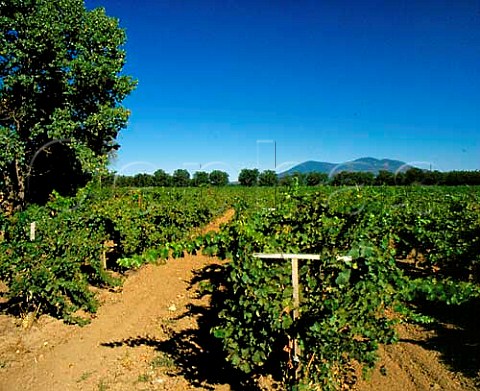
x=361, y=290
x=295, y=285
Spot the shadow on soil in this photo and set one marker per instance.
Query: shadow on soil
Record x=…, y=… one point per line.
x=456, y=329
x=457, y=338
x=197, y=355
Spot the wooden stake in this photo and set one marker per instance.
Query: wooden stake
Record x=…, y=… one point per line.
x=296, y=294
x=296, y=306
x=32, y=231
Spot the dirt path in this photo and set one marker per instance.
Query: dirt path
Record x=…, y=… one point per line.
x=153, y=335
x=124, y=348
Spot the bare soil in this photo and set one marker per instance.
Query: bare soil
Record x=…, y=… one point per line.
x=153, y=334
x=416, y=364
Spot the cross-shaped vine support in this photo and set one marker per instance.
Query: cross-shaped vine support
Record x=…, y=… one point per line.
x=296, y=291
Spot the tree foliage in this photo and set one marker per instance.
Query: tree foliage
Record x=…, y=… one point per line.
x=61, y=89
x=181, y=178
x=267, y=178
x=162, y=179
x=295, y=178
x=144, y=180
x=218, y=178
x=316, y=178
x=353, y=178
x=200, y=178
x=248, y=177
x=385, y=178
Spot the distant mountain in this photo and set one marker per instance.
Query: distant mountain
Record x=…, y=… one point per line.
x=364, y=164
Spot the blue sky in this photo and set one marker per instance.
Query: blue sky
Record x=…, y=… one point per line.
x=219, y=81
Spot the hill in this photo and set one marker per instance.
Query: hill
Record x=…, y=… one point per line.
x=365, y=164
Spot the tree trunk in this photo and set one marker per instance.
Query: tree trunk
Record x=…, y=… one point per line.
x=8, y=199
x=20, y=175
x=14, y=184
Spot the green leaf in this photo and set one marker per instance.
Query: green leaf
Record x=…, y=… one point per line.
x=343, y=278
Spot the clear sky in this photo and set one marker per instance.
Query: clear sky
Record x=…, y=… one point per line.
x=332, y=80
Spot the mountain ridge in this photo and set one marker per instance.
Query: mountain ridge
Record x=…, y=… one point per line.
x=364, y=164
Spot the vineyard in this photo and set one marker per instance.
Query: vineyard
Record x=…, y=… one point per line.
x=90, y=240
x=382, y=251
x=386, y=255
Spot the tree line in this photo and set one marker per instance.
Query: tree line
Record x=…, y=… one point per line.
x=253, y=177
x=179, y=178
x=413, y=176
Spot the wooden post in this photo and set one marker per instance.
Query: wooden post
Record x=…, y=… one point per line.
x=296, y=289
x=32, y=231
x=296, y=305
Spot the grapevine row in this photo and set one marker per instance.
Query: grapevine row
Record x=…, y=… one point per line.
x=363, y=285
